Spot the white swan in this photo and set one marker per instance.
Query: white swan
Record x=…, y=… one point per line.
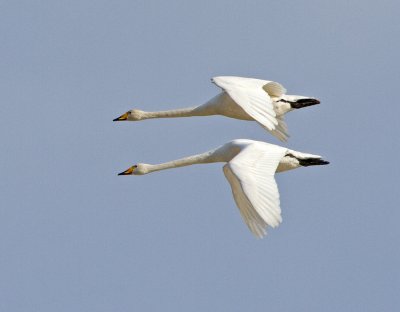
x=242, y=98
x=250, y=170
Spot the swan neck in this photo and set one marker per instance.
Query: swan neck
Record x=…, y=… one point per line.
x=203, y=158
x=182, y=112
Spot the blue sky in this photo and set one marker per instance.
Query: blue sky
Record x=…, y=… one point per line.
x=75, y=237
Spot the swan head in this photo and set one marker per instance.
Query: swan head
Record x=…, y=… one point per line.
x=132, y=115
x=138, y=169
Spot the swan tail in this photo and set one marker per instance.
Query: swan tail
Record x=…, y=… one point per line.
x=312, y=162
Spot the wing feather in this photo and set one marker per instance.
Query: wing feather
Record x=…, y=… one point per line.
x=251, y=176
x=281, y=131
x=252, y=219
x=254, y=97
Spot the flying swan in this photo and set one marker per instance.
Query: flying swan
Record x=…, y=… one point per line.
x=241, y=98
x=250, y=168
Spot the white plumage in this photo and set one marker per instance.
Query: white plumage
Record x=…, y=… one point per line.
x=250, y=168
x=241, y=98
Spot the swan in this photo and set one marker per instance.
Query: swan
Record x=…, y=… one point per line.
x=250, y=168
x=241, y=98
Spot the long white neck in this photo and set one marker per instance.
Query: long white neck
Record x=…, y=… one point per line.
x=204, y=158
x=182, y=112
x=207, y=109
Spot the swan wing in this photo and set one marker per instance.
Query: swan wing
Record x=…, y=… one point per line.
x=281, y=130
x=253, y=96
x=251, y=176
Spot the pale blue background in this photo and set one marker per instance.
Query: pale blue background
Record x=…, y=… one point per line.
x=75, y=237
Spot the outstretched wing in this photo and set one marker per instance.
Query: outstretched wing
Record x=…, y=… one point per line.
x=281, y=131
x=253, y=96
x=251, y=176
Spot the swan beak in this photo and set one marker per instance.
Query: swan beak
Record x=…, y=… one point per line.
x=129, y=171
x=122, y=117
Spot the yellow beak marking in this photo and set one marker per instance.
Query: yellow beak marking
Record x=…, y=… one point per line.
x=128, y=171
x=122, y=117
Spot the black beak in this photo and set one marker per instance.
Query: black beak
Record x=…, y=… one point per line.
x=122, y=117
x=128, y=171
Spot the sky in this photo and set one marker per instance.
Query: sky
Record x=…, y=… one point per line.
x=76, y=237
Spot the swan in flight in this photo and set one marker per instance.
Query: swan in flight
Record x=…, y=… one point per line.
x=241, y=98
x=250, y=168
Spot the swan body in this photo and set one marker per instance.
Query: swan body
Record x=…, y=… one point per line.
x=241, y=98
x=250, y=168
